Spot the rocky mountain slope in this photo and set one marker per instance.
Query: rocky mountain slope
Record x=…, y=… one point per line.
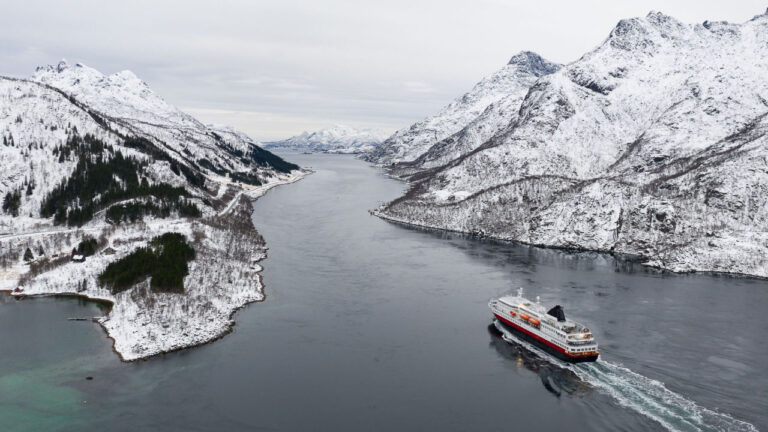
x=653, y=144
x=91, y=159
x=466, y=122
x=336, y=139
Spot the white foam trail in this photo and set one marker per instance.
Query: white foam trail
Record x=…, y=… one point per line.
x=644, y=395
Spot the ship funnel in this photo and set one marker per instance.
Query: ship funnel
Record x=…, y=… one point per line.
x=557, y=312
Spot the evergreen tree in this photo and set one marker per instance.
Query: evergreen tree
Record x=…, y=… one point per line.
x=165, y=260
x=28, y=255
x=87, y=247
x=12, y=202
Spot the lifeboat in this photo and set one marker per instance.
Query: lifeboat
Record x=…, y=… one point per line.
x=512, y=313
x=524, y=317
x=534, y=321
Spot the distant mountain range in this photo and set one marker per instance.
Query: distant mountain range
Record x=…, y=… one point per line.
x=653, y=144
x=336, y=139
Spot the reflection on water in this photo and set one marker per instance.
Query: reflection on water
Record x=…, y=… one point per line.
x=527, y=259
x=555, y=379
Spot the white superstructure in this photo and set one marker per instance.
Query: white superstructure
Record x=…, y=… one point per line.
x=566, y=339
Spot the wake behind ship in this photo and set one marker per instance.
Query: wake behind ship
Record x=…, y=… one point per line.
x=549, y=330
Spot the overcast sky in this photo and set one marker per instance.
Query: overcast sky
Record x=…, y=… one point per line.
x=276, y=68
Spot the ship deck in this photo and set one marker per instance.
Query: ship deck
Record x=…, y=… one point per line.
x=566, y=326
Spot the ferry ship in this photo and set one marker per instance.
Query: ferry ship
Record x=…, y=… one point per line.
x=549, y=330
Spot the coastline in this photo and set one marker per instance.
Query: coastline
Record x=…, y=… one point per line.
x=120, y=324
x=643, y=260
x=111, y=303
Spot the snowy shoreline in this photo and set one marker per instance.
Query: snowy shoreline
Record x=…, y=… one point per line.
x=224, y=278
x=110, y=303
x=643, y=260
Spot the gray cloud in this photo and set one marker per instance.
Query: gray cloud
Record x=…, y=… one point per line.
x=276, y=68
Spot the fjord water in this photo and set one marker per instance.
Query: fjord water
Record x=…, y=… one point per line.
x=369, y=325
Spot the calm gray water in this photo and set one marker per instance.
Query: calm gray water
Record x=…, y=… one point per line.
x=370, y=325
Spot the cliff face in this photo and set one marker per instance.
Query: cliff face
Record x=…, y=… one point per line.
x=652, y=144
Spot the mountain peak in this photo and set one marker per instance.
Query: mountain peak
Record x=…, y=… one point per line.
x=64, y=69
x=126, y=74
x=759, y=16
x=533, y=62
x=75, y=78
x=646, y=34
x=667, y=25
x=60, y=67
x=656, y=15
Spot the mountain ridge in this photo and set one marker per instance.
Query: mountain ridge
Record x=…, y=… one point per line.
x=496, y=97
x=647, y=145
x=335, y=139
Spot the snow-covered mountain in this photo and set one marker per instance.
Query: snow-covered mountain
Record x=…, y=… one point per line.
x=39, y=114
x=467, y=121
x=653, y=144
x=128, y=105
x=103, y=159
x=336, y=139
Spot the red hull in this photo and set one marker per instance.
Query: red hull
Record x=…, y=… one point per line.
x=555, y=349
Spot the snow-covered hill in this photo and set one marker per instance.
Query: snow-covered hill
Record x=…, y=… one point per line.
x=653, y=144
x=130, y=107
x=457, y=127
x=86, y=154
x=336, y=139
